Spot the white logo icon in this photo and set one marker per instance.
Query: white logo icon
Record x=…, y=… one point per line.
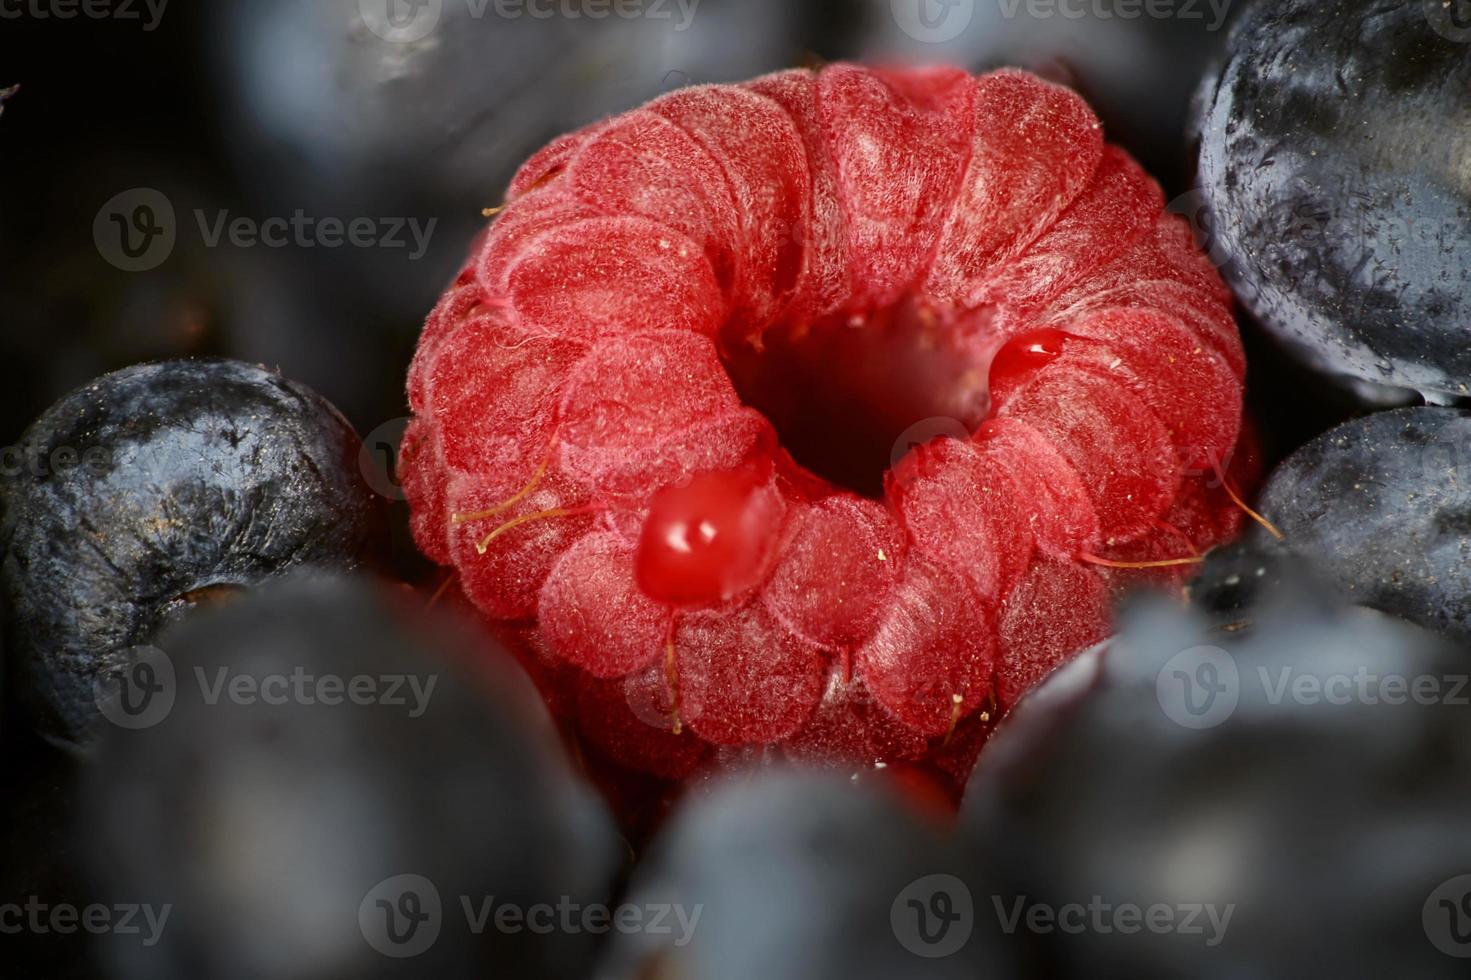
x=933, y=21
x=401, y=21
x=1199, y=687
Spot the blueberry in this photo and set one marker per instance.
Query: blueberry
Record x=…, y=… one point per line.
x=803, y=877
x=1339, y=210
x=1241, y=581
x=1380, y=507
x=155, y=489
x=1231, y=580
x=338, y=785
x=1196, y=802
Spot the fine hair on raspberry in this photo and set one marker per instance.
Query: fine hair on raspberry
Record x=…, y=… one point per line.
x=656, y=414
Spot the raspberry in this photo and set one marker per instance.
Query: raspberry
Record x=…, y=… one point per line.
x=655, y=413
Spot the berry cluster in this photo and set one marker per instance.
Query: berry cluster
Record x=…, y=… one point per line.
x=813, y=423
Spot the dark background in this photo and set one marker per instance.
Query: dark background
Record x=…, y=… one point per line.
x=263, y=108
x=189, y=109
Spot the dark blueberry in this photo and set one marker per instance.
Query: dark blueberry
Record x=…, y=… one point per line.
x=1333, y=193
x=1380, y=507
x=1232, y=580
x=329, y=782
x=803, y=877
x=1240, y=581
x=155, y=489
x=1287, y=800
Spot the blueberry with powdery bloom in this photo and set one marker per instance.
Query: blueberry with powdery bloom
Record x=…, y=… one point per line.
x=155, y=489
x=354, y=787
x=1280, y=799
x=788, y=876
x=1335, y=196
x=1380, y=508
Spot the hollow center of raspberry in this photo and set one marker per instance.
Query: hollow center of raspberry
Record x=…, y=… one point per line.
x=851, y=396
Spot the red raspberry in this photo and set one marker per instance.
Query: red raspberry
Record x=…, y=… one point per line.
x=654, y=413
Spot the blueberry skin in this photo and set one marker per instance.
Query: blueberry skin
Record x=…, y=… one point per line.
x=268, y=818
x=1380, y=508
x=1239, y=583
x=1332, y=190
x=1325, y=825
x=1234, y=578
x=151, y=489
x=799, y=876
